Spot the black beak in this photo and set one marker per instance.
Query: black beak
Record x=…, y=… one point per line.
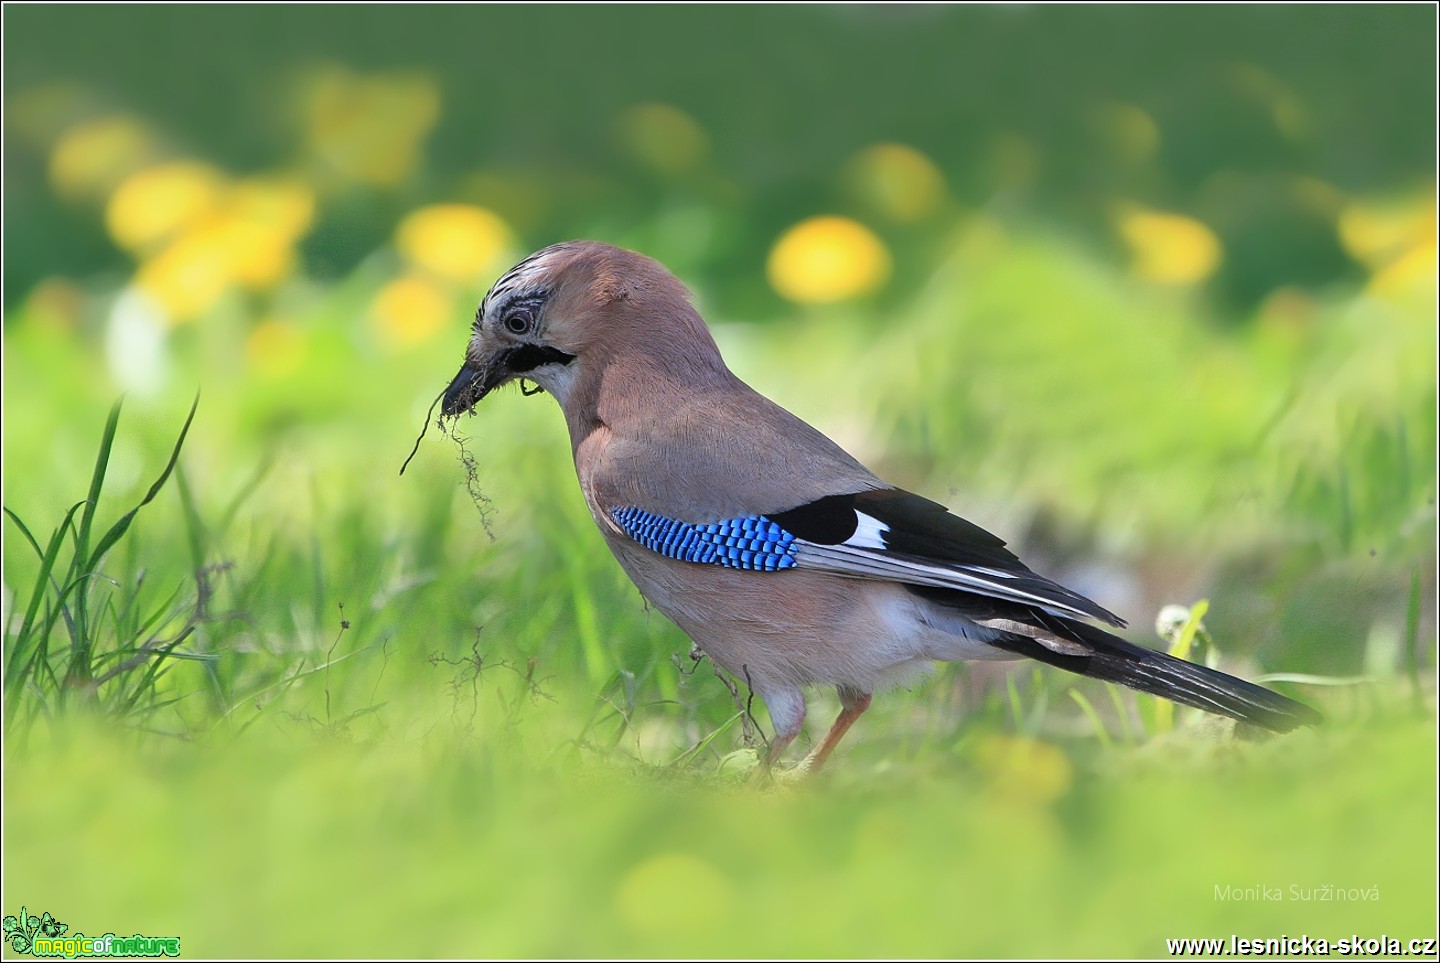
x=466, y=390
x=474, y=383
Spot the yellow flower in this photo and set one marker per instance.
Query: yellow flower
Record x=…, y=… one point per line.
x=89, y=159
x=409, y=310
x=827, y=259
x=1378, y=232
x=280, y=205
x=456, y=241
x=258, y=256
x=264, y=219
x=152, y=205
x=189, y=275
x=897, y=181
x=1168, y=248
x=368, y=129
x=1395, y=239
x=1412, y=271
x=249, y=241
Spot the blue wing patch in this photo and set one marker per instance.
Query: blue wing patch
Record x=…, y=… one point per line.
x=753, y=543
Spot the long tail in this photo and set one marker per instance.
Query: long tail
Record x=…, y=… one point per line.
x=1115, y=660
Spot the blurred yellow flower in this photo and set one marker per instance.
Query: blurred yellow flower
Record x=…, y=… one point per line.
x=410, y=310
x=275, y=348
x=155, y=203
x=456, y=241
x=1412, y=271
x=1168, y=248
x=249, y=240
x=1395, y=239
x=827, y=259
x=1024, y=769
x=282, y=205
x=188, y=276
x=89, y=159
x=663, y=138
x=367, y=129
x=1379, y=232
x=896, y=180
x=258, y=256
x=264, y=220
x=659, y=896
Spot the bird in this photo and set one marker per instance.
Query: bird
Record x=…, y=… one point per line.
x=785, y=560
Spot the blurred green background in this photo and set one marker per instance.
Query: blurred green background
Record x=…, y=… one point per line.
x=1149, y=292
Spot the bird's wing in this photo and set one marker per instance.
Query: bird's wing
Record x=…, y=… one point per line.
x=884, y=534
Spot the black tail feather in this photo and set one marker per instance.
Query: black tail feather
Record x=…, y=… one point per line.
x=1115, y=660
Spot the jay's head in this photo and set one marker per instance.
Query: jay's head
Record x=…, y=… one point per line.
x=569, y=310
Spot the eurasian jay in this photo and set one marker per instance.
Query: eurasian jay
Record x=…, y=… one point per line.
x=785, y=559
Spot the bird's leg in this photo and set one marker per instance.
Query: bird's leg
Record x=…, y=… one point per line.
x=787, y=714
x=853, y=704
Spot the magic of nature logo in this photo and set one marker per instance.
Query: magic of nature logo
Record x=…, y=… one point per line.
x=44, y=935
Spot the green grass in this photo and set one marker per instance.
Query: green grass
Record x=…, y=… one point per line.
x=450, y=842
x=302, y=705
x=113, y=651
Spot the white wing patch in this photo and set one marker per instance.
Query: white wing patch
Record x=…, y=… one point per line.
x=869, y=533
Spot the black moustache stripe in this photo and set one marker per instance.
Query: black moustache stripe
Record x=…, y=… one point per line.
x=528, y=357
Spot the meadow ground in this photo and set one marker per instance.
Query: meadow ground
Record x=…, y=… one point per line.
x=383, y=722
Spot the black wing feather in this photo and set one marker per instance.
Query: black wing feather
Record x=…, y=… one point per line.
x=924, y=532
x=1113, y=659
x=825, y=521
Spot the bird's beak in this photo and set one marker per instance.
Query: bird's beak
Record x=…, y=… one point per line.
x=469, y=386
x=475, y=381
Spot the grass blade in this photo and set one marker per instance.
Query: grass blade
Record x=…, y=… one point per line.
x=120, y=527
x=1094, y=717
x=14, y=675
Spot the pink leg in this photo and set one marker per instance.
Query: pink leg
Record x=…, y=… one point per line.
x=853, y=704
x=787, y=712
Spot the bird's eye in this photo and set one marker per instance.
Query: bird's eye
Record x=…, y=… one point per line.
x=518, y=321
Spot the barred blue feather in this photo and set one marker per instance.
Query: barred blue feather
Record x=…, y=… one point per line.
x=753, y=543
